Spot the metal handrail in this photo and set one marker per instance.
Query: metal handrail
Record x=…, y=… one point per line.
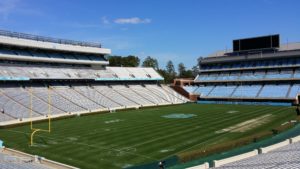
x=48, y=39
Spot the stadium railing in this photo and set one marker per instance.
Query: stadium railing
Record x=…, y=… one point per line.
x=47, y=39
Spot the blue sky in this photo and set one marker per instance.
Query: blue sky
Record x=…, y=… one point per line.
x=177, y=30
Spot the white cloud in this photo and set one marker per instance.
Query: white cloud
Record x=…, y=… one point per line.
x=7, y=6
x=133, y=20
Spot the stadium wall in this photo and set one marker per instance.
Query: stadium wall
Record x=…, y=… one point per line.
x=218, y=163
x=273, y=147
x=203, y=166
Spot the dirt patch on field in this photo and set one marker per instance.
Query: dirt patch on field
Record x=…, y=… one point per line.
x=247, y=125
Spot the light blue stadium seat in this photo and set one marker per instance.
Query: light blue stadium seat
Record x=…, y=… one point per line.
x=203, y=90
x=268, y=91
x=273, y=75
x=190, y=89
x=206, y=78
x=295, y=89
x=246, y=91
x=233, y=77
x=297, y=74
x=222, y=91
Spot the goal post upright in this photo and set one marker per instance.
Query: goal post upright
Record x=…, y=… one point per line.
x=35, y=130
x=49, y=109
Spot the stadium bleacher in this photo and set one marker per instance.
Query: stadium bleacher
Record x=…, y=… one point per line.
x=144, y=91
x=249, y=91
x=222, y=91
x=13, y=162
x=130, y=94
x=31, y=71
x=270, y=74
x=15, y=101
x=268, y=91
x=281, y=158
x=68, y=77
x=108, y=92
x=76, y=98
x=91, y=93
x=246, y=91
x=190, y=89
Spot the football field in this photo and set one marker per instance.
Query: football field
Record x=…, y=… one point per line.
x=132, y=137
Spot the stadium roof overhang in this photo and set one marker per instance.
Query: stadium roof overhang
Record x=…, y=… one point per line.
x=26, y=43
x=52, y=60
x=258, y=56
x=275, y=80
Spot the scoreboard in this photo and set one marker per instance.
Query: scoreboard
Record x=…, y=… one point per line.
x=256, y=43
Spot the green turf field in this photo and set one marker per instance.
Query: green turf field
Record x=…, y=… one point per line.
x=125, y=138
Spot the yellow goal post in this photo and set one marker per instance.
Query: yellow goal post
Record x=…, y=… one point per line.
x=35, y=130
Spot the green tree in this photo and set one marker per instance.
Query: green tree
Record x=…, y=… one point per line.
x=150, y=62
x=185, y=73
x=170, y=72
x=163, y=73
x=188, y=74
x=115, y=60
x=170, y=69
x=130, y=61
x=181, y=69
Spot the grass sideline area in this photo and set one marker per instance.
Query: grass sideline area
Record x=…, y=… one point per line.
x=133, y=137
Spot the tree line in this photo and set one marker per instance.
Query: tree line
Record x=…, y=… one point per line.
x=169, y=73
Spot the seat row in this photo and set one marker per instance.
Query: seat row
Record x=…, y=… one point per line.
x=246, y=91
x=22, y=102
x=255, y=64
x=257, y=75
x=10, y=71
